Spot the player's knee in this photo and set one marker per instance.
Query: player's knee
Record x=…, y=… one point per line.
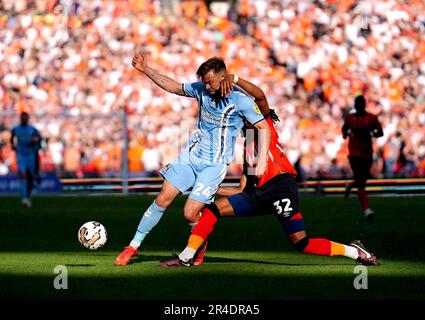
x=163, y=200
x=191, y=215
x=302, y=244
x=360, y=182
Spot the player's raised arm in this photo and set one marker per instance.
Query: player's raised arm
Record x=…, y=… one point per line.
x=140, y=63
x=254, y=91
x=260, y=99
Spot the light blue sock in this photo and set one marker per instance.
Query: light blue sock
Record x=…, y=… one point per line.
x=149, y=220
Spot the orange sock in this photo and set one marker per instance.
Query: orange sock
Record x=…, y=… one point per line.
x=195, y=241
x=337, y=249
x=325, y=247
x=199, y=234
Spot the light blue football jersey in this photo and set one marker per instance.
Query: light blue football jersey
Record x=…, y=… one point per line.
x=24, y=135
x=220, y=121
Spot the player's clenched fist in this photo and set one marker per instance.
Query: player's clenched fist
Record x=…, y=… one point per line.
x=139, y=62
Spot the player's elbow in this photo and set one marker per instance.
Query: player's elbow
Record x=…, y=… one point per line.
x=260, y=96
x=177, y=88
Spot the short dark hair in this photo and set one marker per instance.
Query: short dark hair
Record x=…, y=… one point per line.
x=25, y=117
x=360, y=103
x=216, y=64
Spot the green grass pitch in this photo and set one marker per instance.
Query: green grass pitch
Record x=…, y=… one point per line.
x=247, y=259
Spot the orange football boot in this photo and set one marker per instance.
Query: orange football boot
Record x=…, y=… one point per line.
x=125, y=256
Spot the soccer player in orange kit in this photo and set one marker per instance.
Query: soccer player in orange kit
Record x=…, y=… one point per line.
x=360, y=127
x=275, y=193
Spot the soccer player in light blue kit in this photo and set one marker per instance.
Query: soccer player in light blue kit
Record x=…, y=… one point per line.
x=25, y=142
x=203, y=164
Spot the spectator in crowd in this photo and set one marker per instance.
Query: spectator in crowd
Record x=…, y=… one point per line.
x=151, y=158
x=311, y=58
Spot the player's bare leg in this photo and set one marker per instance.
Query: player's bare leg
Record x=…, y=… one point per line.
x=192, y=209
x=198, y=248
x=361, y=171
x=195, y=249
x=149, y=220
x=167, y=195
x=364, y=199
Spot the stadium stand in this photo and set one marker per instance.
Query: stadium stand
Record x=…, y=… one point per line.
x=70, y=68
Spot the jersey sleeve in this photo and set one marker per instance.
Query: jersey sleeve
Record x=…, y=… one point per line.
x=247, y=108
x=376, y=122
x=193, y=90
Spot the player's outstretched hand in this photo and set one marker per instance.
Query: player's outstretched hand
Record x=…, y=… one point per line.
x=226, y=85
x=139, y=62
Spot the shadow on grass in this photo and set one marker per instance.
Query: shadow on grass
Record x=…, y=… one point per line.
x=211, y=259
x=217, y=285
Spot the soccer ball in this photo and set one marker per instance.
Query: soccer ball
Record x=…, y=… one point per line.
x=92, y=235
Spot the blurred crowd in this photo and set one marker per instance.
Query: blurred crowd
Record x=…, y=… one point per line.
x=68, y=63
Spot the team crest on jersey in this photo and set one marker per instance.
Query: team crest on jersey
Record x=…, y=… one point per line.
x=257, y=110
x=166, y=168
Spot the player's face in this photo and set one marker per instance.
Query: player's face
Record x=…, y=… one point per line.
x=212, y=81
